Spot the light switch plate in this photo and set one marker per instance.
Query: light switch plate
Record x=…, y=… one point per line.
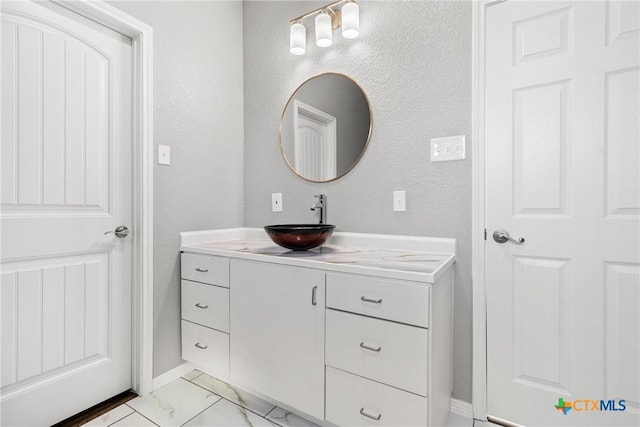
x=399, y=201
x=448, y=148
x=276, y=202
x=164, y=155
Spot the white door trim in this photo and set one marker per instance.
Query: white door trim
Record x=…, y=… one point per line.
x=478, y=209
x=142, y=180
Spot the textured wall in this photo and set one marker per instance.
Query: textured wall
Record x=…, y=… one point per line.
x=414, y=61
x=198, y=111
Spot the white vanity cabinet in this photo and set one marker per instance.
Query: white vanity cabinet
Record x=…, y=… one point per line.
x=388, y=351
x=277, y=330
x=205, y=312
x=348, y=337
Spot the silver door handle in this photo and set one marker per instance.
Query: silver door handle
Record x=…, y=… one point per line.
x=313, y=295
x=201, y=306
x=364, y=414
x=202, y=347
x=121, y=231
x=502, y=236
x=201, y=270
x=375, y=301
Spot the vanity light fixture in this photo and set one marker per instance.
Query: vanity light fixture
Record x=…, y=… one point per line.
x=327, y=19
x=350, y=20
x=324, y=32
x=298, y=39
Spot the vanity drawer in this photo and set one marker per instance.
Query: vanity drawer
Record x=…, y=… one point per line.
x=206, y=269
x=205, y=304
x=206, y=348
x=384, y=351
x=384, y=298
x=356, y=401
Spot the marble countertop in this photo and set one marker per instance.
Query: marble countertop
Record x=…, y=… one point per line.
x=417, y=263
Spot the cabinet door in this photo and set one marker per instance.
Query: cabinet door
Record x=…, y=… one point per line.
x=277, y=333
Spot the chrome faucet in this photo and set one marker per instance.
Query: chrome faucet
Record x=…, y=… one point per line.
x=321, y=206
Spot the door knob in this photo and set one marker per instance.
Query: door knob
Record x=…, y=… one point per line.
x=502, y=236
x=121, y=231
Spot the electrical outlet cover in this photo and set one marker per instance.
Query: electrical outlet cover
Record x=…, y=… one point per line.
x=276, y=202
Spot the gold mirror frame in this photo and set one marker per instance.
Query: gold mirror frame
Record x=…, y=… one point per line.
x=364, y=147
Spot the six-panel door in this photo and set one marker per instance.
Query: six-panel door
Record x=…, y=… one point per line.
x=562, y=141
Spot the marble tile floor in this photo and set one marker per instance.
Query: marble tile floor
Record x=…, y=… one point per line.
x=196, y=399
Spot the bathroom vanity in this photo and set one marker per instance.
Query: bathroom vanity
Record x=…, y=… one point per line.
x=356, y=332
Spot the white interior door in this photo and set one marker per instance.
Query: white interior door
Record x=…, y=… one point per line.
x=315, y=142
x=66, y=179
x=562, y=150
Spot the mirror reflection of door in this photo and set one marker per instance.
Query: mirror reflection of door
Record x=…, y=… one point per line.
x=329, y=106
x=315, y=142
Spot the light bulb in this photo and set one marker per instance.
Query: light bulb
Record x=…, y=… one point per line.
x=297, y=39
x=350, y=20
x=323, y=30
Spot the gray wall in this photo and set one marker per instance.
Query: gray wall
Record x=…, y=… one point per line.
x=198, y=111
x=413, y=59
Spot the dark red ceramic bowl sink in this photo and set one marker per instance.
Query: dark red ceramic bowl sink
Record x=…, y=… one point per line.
x=299, y=237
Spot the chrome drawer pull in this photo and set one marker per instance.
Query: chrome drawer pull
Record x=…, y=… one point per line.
x=201, y=347
x=201, y=306
x=201, y=270
x=375, y=301
x=363, y=345
x=313, y=295
x=364, y=414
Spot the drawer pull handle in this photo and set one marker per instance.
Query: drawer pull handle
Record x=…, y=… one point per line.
x=313, y=295
x=201, y=270
x=375, y=301
x=363, y=345
x=364, y=414
x=201, y=306
x=201, y=347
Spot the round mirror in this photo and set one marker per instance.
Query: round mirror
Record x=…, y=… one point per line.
x=325, y=127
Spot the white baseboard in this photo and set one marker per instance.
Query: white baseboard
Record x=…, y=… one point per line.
x=461, y=407
x=173, y=374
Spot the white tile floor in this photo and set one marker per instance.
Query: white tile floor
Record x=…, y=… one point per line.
x=197, y=399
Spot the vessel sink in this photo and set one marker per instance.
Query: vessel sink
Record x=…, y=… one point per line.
x=299, y=237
